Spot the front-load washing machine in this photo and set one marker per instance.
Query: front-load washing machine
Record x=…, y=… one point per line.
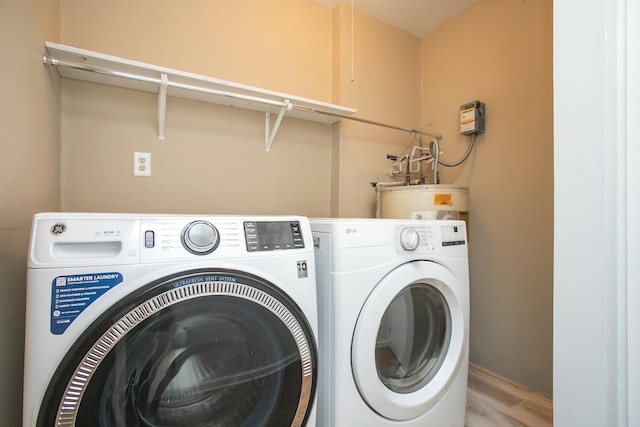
x=153, y=320
x=394, y=322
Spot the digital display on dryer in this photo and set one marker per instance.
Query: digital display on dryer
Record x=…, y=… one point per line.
x=273, y=235
x=453, y=235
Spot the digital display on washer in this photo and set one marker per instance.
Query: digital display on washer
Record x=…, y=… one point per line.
x=273, y=235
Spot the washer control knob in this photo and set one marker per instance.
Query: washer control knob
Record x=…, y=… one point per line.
x=200, y=237
x=409, y=239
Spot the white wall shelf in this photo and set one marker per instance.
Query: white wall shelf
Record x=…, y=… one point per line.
x=95, y=67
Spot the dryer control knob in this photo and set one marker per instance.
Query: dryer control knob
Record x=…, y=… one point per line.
x=200, y=237
x=409, y=239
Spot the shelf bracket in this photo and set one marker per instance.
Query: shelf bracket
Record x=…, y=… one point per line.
x=270, y=133
x=162, y=105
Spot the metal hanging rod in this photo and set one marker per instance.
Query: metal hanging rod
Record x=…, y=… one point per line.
x=163, y=82
x=371, y=122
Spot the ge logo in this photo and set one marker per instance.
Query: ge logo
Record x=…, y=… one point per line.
x=58, y=228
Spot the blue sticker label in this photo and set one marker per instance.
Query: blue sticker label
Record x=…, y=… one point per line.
x=70, y=295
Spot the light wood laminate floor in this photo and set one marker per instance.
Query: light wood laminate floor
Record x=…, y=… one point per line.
x=495, y=401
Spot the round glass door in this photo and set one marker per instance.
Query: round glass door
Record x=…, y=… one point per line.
x=413, y=338
x=200, y=350
x=409, y=340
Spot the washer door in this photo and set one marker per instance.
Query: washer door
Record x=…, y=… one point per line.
x=409, y=340
x=214, y=348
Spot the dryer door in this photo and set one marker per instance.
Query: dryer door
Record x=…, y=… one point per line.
x=206, y=348
x=410, y=340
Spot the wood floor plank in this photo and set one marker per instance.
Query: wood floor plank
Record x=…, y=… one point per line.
x=495, y=401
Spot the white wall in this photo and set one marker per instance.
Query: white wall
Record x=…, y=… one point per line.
x=596, y=278
x=633, y=211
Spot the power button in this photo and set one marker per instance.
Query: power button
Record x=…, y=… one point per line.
x=149, y=239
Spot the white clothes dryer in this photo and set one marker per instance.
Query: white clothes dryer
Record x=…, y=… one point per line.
x=154, y=320
x=394, y=322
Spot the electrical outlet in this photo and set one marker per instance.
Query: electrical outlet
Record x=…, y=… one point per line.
x=141, y=164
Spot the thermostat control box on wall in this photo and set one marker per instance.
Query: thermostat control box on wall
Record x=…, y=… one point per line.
x=472, y=118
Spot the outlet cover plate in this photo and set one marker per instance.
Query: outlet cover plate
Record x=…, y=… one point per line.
x=141, y=164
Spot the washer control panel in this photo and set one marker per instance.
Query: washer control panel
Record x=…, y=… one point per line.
x=273, y=235
x=218, y=237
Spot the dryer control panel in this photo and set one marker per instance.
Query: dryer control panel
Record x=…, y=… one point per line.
x=430, y=237
x=453, y=235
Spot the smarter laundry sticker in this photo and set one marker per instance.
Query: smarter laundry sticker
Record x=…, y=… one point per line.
x=70, y=295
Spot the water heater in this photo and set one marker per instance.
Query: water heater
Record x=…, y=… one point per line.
x=424, y=202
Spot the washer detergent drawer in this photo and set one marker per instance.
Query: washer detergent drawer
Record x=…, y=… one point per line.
x=204, y=348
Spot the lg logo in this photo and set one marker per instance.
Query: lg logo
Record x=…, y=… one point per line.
x=351, y=230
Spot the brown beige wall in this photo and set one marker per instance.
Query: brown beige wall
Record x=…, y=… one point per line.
x=500, y=52
x=282, y=45
x=377, y=71
x=212, y=160
x=29, y=165
x=213, y=157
